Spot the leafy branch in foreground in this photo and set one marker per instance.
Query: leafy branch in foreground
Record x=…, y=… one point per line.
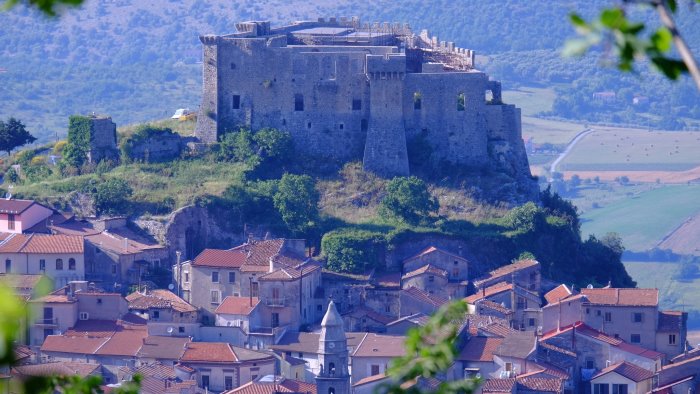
x=430, y=351
x=612, y=27
x=48, y=7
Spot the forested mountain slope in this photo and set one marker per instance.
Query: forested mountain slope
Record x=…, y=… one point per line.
x=137, y=60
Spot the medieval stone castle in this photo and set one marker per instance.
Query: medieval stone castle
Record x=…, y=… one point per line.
x=348, y=90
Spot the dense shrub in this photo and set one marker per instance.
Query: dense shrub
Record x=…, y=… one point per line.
x=408, y=200
x=352, y=251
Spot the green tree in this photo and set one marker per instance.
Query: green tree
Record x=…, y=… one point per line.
x=13, y=134
x=111, y=196
x=273, y=145
x=48, y=7
x=297, y=201
x=408, y=200
x=525, y=219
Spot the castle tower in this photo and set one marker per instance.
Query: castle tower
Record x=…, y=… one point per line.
x=333, y=355
x=386, y=153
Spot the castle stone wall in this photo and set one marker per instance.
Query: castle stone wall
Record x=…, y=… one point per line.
x=103, y=140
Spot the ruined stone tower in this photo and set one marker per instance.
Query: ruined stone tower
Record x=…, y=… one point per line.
x=347, y=90
x=334, y=377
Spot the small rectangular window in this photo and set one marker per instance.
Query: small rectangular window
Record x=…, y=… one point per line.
x=531, y=322
x=42, y=265
x=10, y=222
x=298, y=102
x=461, y=101
x=671, y=339
x=215, y=277
x=375, y=370
x=231, y=277
x=417, y=100
x=187, y=277
x=156, y=314
x=215, y=296
x=59, y=264
x=637, y=317
x=356, y=104
x=236, y=102
x=308, y=125
x=608, y=316
x=8, y=266
x=181, y=329
x=635, y=338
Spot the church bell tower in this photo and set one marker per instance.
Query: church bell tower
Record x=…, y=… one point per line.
x=333, y=355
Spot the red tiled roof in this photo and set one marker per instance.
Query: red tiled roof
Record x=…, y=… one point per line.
x=429, y=250
x=65, y=368
x=157, y=370
x=486, y=304
x=42, y=243
x=590, y=332
x=220, y=258
x=506, y=270
x=275, y=386
x=426, y=269
x=541, y=385
x=422, y=296
x=163, y=348
x=377, y=345
x=237, y=305
x=498, y=288
x=628, y=370
x=159, y=298
x=258, y=253
x=670, y=321
x=64, y=344
x=479, y=349
x=622, y=297
x=125, y=343
x=93, y=329
x=15, y=206
x=370, y=379
x=558, y=293
x=498, y=385
x=290, y=273
x=209, y=352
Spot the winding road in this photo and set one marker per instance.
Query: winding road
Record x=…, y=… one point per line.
x=579, y=136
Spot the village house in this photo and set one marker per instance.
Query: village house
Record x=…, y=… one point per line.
x=59, y=257
x=164, y=350
x=374, y=353
x=521, y=307
x=437, y=272
x=17, y=216
x=622, y=377
x=523, y=273
x=220, y=366
x=115, y=254
x=166, y=313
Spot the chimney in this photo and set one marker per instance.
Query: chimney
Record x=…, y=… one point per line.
x=126, y=244
x=272, y=264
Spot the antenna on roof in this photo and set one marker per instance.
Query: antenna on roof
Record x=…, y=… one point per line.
x=170, y=330
x=590, y=286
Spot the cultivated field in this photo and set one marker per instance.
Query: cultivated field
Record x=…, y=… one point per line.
x=645, y=218
x=685, y=239
x=617, y=149
x=691, y=175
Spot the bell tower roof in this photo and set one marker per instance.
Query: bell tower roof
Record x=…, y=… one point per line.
x=332, y=317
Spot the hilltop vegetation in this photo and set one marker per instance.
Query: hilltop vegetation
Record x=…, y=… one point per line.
x=138, y=60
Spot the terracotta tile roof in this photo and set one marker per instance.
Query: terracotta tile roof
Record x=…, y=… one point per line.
x=583, y=329
x=670, y=321
x=157, y=370
x=152, y=385
x=387, y=280
x=426, y=269
x=243, y=354
x=93, y=329
x=258, y=254
x=518, y=344
x=15, y=206
x=490, y=291
x=506, y=270
x=124, y=343
x=422, y=296
x=160, y=299
x=237, y=305
x=64, y=344
x=272, y=386
x=163, y=348
x=494, y=306
x=558, y=293
x=64, y=368
x=42, y=243
x=548, y=370
x=541, y=385
x=429, y=250
x=290, y=273
x=496, y=329
x=55, y=298
x=208, y=352
x=377, y=345
x=479, y=349
x=498, y=385
x=628, y=370
x=491, y=325
x=220, y=258
x=21, y=281
x=622, y=297
x=22, y=352
x=189, y=386
x=370, y=379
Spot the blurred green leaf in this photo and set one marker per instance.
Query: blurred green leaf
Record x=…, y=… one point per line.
x=662, y=39
x=612, y=18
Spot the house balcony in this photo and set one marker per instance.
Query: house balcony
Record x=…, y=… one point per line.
x=276, y=302
x=52, y=321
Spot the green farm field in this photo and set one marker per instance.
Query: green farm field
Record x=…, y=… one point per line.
x=674, y=294
x=643, y=219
